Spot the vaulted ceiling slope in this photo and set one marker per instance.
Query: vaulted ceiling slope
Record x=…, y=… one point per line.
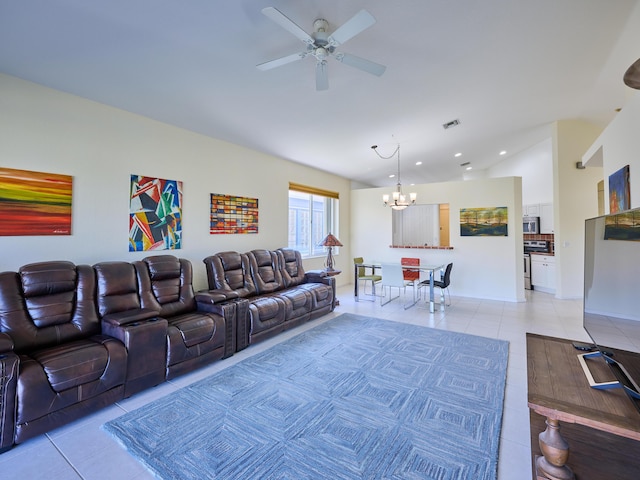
x=505, y=68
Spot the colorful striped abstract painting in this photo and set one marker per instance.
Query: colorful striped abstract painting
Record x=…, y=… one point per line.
x=35, y=203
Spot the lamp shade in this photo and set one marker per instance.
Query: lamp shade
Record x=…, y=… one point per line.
x=330, y=241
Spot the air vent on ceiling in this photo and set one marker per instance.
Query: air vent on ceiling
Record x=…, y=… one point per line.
x=451, y=124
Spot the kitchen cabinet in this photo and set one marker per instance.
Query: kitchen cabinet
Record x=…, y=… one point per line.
x=546, y=218
x=542, y=210
x=543, y=273
x=532, y=210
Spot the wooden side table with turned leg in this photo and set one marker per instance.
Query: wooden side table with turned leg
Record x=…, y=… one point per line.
x=578, y=432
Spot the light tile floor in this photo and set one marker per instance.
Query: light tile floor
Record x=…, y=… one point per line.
x=82, y=450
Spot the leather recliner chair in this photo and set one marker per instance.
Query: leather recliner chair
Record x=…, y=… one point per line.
x=194, y=337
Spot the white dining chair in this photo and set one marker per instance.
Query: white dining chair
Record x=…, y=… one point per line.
x=392, y=277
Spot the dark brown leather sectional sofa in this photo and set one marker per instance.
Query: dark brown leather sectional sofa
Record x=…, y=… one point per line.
x=76, y=338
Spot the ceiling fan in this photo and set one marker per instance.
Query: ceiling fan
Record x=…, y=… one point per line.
x=322, y=45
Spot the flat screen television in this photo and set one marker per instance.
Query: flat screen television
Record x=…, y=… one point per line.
x=611, y=307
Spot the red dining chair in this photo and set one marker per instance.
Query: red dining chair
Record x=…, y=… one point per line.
x=411, y=276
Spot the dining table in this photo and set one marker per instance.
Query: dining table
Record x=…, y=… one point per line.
x=428, y=269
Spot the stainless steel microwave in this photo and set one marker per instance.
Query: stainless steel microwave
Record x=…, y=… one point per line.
x=530, y=224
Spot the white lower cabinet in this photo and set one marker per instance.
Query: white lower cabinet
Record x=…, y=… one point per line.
x=543, y=273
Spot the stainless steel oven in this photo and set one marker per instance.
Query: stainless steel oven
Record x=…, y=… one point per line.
x=531, y=225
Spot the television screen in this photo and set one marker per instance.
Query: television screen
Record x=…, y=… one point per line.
x=612, y=293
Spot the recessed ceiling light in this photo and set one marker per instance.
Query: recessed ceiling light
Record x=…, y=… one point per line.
x=418, y=163
x=503, y=152
x=458, y=155
x=469, y=167
x=392, y=175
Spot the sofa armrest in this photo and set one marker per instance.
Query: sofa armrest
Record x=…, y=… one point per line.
x=144, y=335
x=6, y=343
x=9, y=366
x=129, y=316
x=317, y=276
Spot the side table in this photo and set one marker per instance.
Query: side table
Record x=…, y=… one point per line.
x=333, y=273
x=601, y=426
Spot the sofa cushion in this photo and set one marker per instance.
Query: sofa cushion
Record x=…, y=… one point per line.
x=194, y=327
x=39, y=313
x=165, y=284
x=265, y=271
x=117, y=287
x=53, y=379
x=230, y=271
x=292, y=269
x=72, y=364
x=267, y=313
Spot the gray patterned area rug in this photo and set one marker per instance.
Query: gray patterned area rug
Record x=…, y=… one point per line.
x=354, y=398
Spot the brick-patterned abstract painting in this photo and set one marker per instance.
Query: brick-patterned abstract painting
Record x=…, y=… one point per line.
x=155, y=214
x=35, y=203
x=233, y=214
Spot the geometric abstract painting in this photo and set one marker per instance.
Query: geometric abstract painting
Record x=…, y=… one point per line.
x=155, y=214
x=35, y=203
x=233, y=214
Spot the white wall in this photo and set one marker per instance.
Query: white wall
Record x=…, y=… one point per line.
x=535, y=166
x=49, y=131
x=575, y=199
x=484, y=267
x=620, y=143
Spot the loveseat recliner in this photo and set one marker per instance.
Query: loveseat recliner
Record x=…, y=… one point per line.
x=55, y=364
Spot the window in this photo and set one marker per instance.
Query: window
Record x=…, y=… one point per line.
x=313, y=214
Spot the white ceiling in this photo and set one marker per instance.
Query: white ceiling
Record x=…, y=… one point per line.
x=504, y=68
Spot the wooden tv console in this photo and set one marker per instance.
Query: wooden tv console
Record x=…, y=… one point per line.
x=584, y=433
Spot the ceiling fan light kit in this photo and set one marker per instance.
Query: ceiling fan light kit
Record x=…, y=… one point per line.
x=322, y=45
x=632, y=75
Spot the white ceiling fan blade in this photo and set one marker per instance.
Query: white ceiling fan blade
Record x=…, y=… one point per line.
x=361, y=63
x=281, y=61
x=356, y=24
x=286, y=23
x=322, y=75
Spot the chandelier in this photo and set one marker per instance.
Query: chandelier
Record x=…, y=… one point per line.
x=397, y=200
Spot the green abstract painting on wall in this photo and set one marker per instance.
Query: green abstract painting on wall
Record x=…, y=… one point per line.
x=484, y=222
x=35, y=203
x=155, y=214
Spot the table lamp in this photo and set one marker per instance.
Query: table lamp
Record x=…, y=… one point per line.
x=330, y=241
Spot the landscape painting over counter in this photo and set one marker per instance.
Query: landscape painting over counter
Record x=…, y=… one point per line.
x=484, y=222
x=35, y=203
x=623, y=226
